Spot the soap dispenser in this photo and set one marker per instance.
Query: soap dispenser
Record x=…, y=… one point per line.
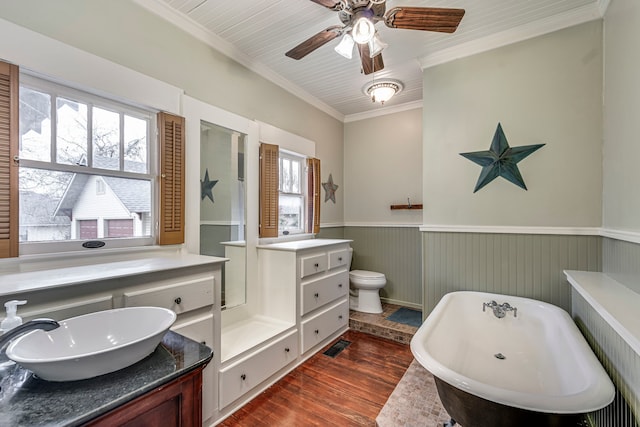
x=12, y=320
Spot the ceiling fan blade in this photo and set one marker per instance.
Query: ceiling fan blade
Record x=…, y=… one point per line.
x=369, y=65
x=424, y=18
x=329, y=4
x=314, y=42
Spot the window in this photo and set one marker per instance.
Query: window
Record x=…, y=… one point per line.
x=86, y=167
x=291, y=200
x=289, y=192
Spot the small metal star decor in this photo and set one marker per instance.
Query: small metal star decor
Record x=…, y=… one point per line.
x=206, y=187
x=500, y=160
x=329, y=190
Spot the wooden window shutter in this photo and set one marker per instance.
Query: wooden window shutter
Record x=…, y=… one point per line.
x=269, y=195
x=172, y=170
x=313, y=192
x=9, y=212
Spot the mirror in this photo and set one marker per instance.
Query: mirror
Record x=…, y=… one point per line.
x=222, y=206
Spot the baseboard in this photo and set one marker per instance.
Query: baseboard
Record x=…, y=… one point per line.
x=402, y=303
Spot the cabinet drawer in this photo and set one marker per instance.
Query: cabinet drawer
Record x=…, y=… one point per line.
x=323, y=290
x=179, y=297
x=339, y=258
x=200, y=329
x=318, y=328
x=313, y=264
x=244, y=375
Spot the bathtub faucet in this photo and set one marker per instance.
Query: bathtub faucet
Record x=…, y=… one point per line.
x=500, y=310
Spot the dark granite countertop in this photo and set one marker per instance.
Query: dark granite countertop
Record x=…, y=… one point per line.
x=26, y=400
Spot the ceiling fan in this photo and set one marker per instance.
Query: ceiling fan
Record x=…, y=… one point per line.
x=359, y=18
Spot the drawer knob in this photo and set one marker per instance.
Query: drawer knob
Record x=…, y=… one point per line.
x=178, y=300
x=316, y=295
x=286, y=349
x=339, y=285
x=243, y=377
x=316, y=265
x=316, y=331
x=340, y=258
x=340, y=317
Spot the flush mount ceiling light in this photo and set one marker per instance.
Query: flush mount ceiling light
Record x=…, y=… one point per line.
x=382, y=90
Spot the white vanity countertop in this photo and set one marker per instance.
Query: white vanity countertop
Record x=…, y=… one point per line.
x=18, y=277
x=298, y=245
x=616, y=303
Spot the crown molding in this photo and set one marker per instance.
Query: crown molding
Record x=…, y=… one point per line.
x=537, y=28
x=193, y=28
x=603, y=5
x=383, y=111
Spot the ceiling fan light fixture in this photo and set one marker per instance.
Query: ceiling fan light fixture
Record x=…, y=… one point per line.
x=376, y=45
x=363, y=30
x=382, y=90
x=345, y=47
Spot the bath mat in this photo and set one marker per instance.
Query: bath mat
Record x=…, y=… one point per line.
x=406, y=316
x=335, y=349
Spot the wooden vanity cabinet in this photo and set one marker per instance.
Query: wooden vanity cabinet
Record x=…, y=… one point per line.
x=177, y=403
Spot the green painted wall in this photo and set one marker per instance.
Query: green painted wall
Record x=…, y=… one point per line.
x=526, y=265
x=394, y=251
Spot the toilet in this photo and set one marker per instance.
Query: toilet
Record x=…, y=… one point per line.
x=365, y=290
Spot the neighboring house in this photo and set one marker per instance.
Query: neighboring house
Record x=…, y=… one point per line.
x=100, y=206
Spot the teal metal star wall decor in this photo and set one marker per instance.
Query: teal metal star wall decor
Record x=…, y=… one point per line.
x=206, y=187
x=329, y=190
x=500, y=160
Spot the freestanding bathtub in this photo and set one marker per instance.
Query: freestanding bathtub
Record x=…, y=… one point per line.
x=531, y=367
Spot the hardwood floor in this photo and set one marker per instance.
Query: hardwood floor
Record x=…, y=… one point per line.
x=349, y=390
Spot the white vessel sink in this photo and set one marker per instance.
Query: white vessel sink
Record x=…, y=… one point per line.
x=93, y=344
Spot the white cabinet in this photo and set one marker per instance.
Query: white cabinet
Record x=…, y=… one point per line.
x=181, y=297
x=192, y=298
x=323, y=293
x=317, y=328
x=319, y=291
x=339, y=258
x=244, y=375
x=201, y=329
x=319, y=271
x=313, y=264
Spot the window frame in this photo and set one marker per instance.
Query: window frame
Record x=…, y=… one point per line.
x=92, y=99
x=301, y=159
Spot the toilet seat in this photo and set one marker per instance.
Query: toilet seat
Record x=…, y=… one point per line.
x=367, y=277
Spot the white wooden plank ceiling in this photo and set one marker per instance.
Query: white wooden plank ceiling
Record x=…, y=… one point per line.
x=264, y=30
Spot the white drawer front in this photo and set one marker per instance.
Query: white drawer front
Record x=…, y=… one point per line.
x=313, y=264
x=339, y=258
x=316, y=329
x=180, y=297
x=201, y=330
x=244, y=375
x=67, y=310
x=323, y=290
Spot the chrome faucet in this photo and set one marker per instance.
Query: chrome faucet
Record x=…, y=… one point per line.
x=500, y=310
x=44, y=324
